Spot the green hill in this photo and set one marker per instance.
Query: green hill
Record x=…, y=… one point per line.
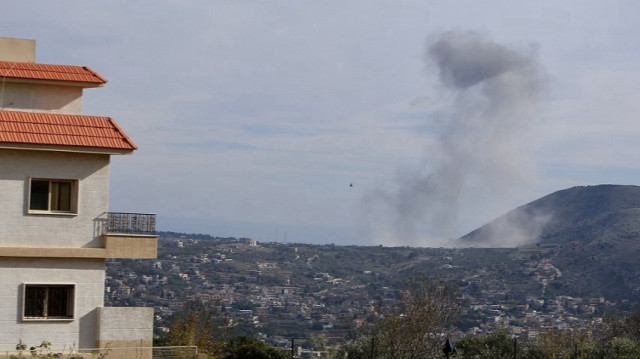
x=604, y=212
x=576, y=257
x=591, y=233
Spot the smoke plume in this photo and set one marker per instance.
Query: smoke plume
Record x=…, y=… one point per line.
x=494, y=91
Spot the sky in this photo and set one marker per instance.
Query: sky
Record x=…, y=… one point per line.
x=351, y=122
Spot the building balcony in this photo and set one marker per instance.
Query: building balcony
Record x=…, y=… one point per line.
x=130, y=235
x=121, y=235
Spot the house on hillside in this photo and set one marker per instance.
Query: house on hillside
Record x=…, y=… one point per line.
x=55, y=229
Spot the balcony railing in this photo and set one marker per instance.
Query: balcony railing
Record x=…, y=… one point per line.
x=131, y=223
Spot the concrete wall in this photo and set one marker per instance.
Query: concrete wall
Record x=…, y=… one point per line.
x=18, y=228
x=32, y=96
x=88, y=277
x=19, y=50
x=126, y=327
x=131, y=246
x=41, y=98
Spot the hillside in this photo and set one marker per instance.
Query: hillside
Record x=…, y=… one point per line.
x=592, y=233
x=583, y=214
x=581, y=264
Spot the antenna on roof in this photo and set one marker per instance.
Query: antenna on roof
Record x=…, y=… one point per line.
x=4, y=79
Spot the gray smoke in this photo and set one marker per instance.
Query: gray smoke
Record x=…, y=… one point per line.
x=494, y=91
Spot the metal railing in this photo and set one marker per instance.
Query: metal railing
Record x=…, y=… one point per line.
x=133, y=223
x=184, y=352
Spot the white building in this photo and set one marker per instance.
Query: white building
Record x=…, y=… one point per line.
x=55, y=228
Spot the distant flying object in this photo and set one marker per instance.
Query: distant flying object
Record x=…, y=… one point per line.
x=350, y=184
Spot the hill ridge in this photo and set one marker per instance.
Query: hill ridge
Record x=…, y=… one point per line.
x=582, y=213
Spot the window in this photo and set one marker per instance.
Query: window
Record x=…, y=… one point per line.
x=48, y=301
x=57, y=196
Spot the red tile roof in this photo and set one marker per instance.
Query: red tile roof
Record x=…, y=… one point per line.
x=65, y=73
x=62, y=130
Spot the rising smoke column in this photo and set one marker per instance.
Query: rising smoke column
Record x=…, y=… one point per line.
x=495, y=90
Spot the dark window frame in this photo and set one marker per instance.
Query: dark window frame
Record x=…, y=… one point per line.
x=45, y=301
x=53, y=196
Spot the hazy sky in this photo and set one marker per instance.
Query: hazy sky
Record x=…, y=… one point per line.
x=254, y=117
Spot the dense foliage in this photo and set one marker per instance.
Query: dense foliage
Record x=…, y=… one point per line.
x=427, y=312
x=249, y=348
x=617, y=337
x=203, y=326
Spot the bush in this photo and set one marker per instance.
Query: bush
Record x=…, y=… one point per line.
x=249, y=348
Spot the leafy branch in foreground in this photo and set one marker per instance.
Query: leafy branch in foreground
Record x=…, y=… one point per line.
x=427, y=313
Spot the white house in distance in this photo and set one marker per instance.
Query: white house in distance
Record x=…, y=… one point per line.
x=55, y=229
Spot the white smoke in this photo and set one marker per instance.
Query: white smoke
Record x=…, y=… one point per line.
x=495, y=91
x=517, y=228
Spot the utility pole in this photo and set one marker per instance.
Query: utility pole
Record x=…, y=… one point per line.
x=448, y=348
x=373, y=345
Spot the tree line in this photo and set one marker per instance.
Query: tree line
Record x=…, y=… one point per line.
x=421, y=325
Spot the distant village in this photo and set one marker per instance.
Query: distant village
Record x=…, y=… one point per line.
x=276, y=291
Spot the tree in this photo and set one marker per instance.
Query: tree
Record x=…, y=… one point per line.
x=619, y=338
x=249, y=348
x=553, y=343
x=197, y=325
x=417, y=328
x=497, y=345
x=549, y=344
x=192, y=330
x=361, y=348
x=427, y=313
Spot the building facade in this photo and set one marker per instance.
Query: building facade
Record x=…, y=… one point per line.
x=56, y=231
